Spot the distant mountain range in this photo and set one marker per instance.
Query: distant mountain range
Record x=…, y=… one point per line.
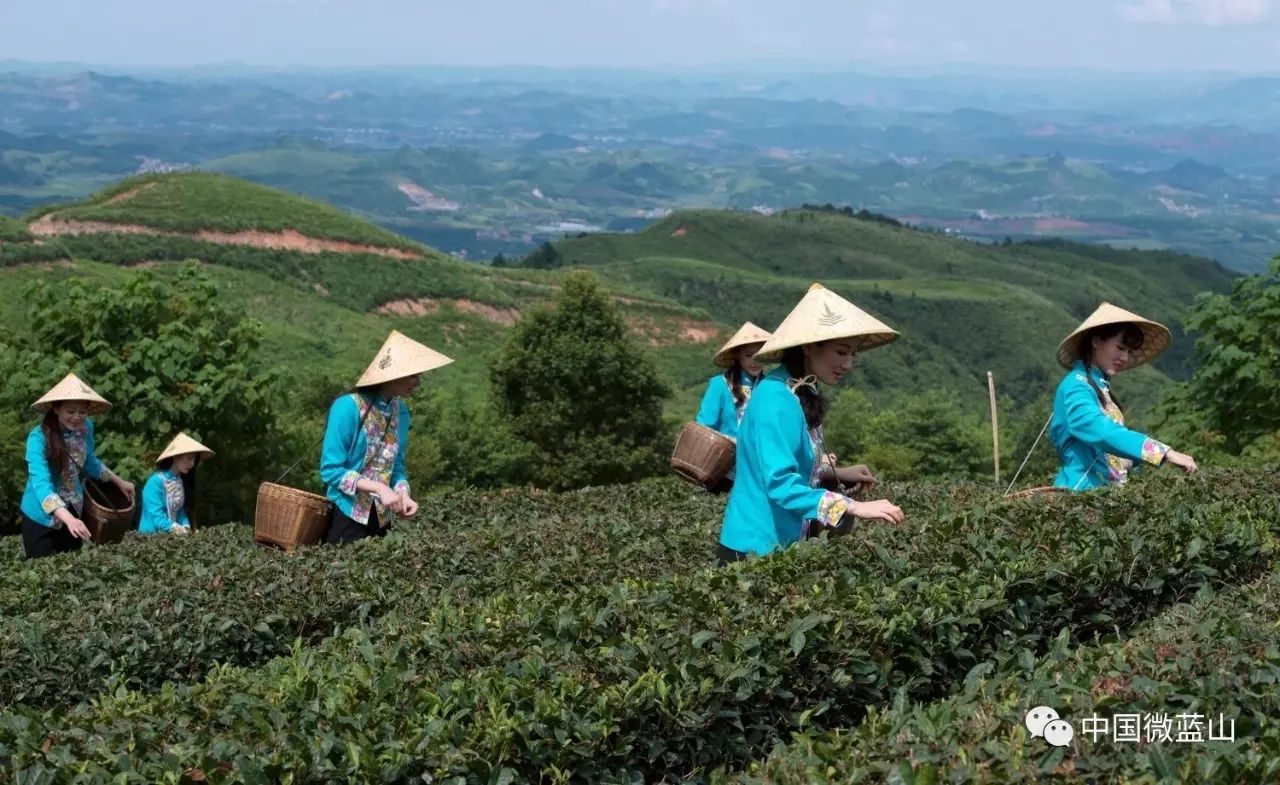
x=479, y=163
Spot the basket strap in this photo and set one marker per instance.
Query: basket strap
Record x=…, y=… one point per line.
x=360, y=427
x=1034, y=444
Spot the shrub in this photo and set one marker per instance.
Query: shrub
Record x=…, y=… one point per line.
x=170, y=358
x=572, y=383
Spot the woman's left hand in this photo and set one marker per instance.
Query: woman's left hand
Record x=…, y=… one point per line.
x=409, y=507
x=125, y=486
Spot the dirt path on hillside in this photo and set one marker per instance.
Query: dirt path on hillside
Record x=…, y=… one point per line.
x=287, y=240
x=129, y=194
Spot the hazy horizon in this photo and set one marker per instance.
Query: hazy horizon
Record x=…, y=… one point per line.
x=1147, y=36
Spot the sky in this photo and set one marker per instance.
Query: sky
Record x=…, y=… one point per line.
x=1127, y=35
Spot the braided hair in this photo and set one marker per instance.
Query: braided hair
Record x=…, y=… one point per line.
x=55, y=447
x=188, y=486
x=812, y=402
x=735, y=374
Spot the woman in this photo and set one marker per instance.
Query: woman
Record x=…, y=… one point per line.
x=1087, y=426
x=169, y=495
x=780, y=460
x=61, y=452
x=362, y=460
x=728, y=393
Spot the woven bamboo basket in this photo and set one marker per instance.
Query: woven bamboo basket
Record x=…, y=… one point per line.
x=703, y=456
x=108, y=512
x=287, y=517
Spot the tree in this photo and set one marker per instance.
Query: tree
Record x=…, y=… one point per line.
x=1232, y=402
x=924, y=435
x=572, y=383
x=465, y=443
x=543, y=258
x=170, y=358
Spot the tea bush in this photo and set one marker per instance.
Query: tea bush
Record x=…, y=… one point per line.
x=647, y=679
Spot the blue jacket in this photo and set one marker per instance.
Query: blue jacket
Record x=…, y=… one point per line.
x=44, y=493
x=773, y=493
x=156, y=516
x=1094, y=446
x=342, y=457
x=719, y=411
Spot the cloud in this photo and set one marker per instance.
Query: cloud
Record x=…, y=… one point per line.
x=883, y=29
x=1230, y=12
x=1214, y=13
x=1149, y=12
x=690, y=5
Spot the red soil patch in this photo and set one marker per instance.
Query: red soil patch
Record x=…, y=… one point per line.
x=670, y=333
x=287, y=240
x=425, y=305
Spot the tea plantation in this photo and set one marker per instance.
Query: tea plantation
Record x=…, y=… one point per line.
x=516, y=636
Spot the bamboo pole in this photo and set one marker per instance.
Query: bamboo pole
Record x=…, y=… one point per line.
x=995, y=424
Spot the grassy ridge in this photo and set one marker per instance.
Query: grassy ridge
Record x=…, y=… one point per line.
x=191, y=202
x=1048, y=287
x=13, y=231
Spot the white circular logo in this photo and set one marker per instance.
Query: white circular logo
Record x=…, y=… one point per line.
x=1039, y=717
x=1059, y=733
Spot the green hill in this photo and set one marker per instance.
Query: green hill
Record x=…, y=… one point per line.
x=197, y=202
x=323, y=311
x=13, y=231
x=963, y=308
x=683, y=283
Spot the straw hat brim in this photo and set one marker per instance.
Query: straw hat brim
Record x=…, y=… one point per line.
x=1155, y=336
x=822, y=316
x=862, y=342
x=747, y=335
x=95, y=407
x=71, y=388
x=184, y=445
x=399, y=358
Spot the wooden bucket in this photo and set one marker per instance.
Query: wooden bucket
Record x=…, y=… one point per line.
x=703, y=456
x=287, y=517
x=108, y=512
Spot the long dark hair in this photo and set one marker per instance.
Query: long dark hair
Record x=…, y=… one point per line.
x=188, y=486
x=55, y=447
x=812, y=402
x=734, y=375
x=1129, y=332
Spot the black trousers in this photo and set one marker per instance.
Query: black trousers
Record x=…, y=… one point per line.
x=343, y=529
x=40, y=541
x=726, y=556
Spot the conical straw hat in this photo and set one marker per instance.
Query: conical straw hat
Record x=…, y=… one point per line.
x=183, y=444
x=401, y=356
x=746, y=335
x=823, y=315
x=72, y=389
x=1155, y=336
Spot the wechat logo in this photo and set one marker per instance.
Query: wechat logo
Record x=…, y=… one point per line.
x=1045, y=723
